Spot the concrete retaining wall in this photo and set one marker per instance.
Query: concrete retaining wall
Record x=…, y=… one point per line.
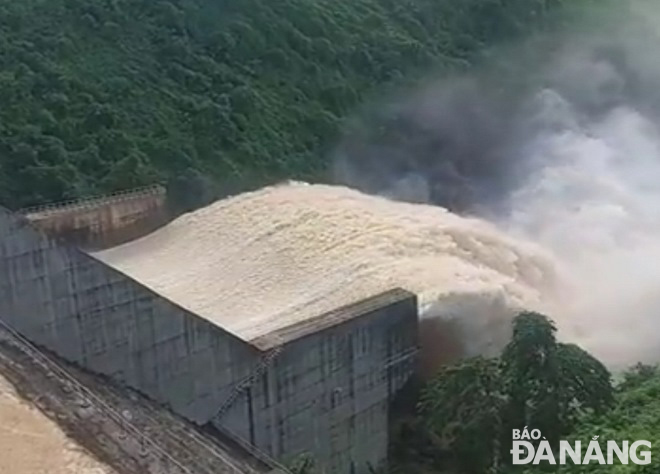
x=104, y=222
x=92, y=315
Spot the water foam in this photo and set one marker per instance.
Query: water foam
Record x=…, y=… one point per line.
x=266, y=259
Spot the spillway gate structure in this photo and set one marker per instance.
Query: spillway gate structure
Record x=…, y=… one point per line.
x=321, y=387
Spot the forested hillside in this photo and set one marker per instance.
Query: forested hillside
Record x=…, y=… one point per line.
x=468, y=411
x=100, y=95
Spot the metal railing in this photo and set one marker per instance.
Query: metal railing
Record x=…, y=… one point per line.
x=92, y=201
x=72, y=383
x=243, y=385
x=401, y=357
x=148, y=443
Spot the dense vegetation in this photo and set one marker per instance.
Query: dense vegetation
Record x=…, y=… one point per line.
x=536, y=382
x=100, y=95
x=468, y=411
x=635, y=416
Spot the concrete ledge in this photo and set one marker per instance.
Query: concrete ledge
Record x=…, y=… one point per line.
x=333, y=318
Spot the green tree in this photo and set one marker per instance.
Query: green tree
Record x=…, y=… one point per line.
x=549, y=384
x=537, y=383
x=462, y=408
x=634, y=416
x=117, y=88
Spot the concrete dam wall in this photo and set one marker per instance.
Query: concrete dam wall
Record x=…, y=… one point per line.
x=329, y=389
x=320, y=387
x=92, y=315
x=103, y=222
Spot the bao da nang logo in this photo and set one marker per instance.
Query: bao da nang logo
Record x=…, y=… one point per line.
x=595, y=452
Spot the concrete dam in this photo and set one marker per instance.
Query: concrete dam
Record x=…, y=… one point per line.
x=287, y=319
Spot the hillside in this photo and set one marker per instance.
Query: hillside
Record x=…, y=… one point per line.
x=100, y=95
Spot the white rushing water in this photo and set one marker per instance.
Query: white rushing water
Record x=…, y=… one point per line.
x=263, y=260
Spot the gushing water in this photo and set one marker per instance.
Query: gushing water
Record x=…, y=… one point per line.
x=560, y=147
x=263, y=260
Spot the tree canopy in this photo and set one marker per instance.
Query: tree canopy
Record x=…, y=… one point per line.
x=634, y=416
x=539, y=383
x=101, y=95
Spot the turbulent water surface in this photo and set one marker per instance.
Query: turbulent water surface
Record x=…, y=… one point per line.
x=263, y=260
